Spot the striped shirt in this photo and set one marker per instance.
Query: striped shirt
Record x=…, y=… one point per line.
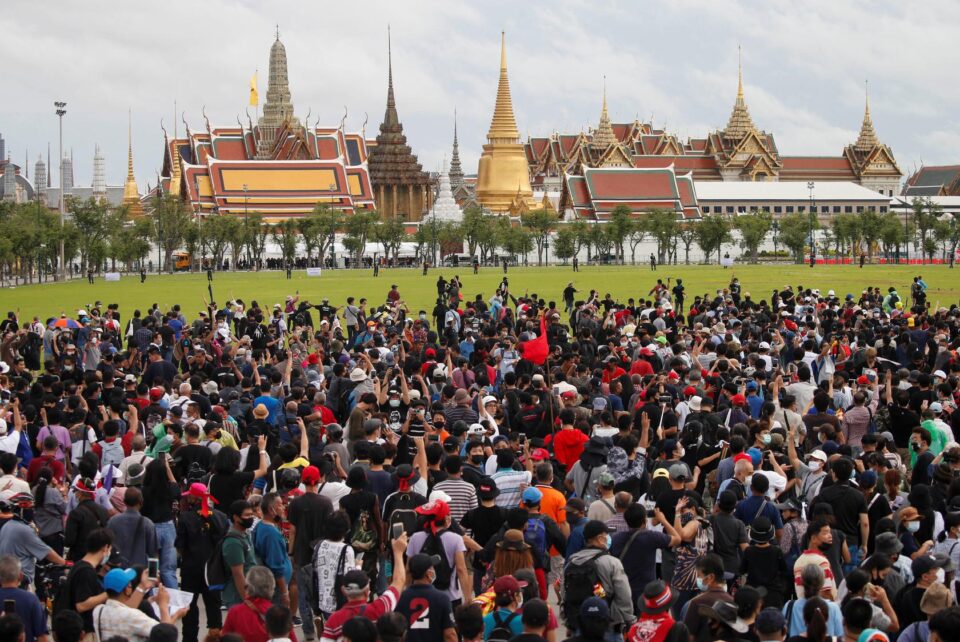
x=463, y=496
x=510, y=483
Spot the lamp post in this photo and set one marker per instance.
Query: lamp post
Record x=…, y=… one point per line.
x=61, y=112
x=953, y=239
x=246, y=224
x=776, y=238
x=810, y=186
x=906, y=232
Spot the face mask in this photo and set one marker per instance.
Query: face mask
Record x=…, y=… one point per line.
x=246, y=523
x=913, y=527
x=218, y=435
x=609, y=541
x=394, y=403
x=941, y=575
x=477, y=459
x=914, y=445
x=439, y=425
x=701, y=585
x=423, y=317
x=681, y=453
x=748, y=480
x=815, y=465
x=766, y=438
x=824, y=547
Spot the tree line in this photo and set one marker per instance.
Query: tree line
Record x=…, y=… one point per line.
x=98, y=236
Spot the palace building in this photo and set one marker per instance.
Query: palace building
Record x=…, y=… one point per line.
x=280, y=168
x=741, y=151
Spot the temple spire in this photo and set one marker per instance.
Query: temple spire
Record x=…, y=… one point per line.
x=130, y=192
x=867, y=139
x=390, y=117
x=740, y=123
x=604, y=137
x=456, y=170
x=503, y=127
x=278, y=108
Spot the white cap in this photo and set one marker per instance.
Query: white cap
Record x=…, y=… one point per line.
x=476, y=429
x=764, y=345
x=413, y=394
x=357, y=375
x=831, y=293
x=82, y=313
x=940, y=373
x=488, y=399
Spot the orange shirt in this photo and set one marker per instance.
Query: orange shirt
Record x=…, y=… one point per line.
x=551, y=505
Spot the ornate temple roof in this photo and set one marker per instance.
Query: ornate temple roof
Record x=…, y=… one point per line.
x=603, y=136
x=503, y=126
x=598, y=191
x=740, y=123
x=867, y=139
x=391, y=161
x=456, y=170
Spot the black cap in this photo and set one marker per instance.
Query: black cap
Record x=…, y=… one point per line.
x=593, y=528
x=355, y=580
x=420, y=563
x=487, y=489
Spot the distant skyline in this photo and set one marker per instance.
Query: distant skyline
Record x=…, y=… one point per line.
x=804, y=64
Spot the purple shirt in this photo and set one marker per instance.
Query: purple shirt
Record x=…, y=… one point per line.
x=63, y=439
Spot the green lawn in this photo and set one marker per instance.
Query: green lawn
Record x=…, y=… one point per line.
x=267, y=288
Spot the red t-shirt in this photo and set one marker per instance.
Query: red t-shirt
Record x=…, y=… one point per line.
x=333, y=628
x=568, y=446
x=41, y=462
x=243, y=620
x=609, y=376
x=641, y=367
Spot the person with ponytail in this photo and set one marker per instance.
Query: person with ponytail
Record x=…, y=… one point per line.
x=49, y=509
x=948, y=541
x=811, y=580
x=816, y=613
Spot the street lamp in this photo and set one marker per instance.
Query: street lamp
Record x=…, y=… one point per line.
x=812, y=249
x=246, y=224
x=61, y=112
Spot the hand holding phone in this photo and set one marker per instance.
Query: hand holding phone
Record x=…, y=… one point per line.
x=153, y=568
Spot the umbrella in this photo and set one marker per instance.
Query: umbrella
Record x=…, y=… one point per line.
x=64, y=322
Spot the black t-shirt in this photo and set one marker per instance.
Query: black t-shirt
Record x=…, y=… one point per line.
x=485, y=522
x=902, y=423
x=189, y=454
x=848, y=504
x=667, y=503
x=307, y=513
x=226, y=489
x=428, y=612
x=639, y=562
x=82, y=584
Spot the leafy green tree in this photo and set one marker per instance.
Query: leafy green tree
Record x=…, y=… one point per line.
x=794, y=234
x=925, y=214
x=753, y=229
x=477, y=230
x=217, y=234
x=428, y=237
x=286, y=234
x=256, y=232
x=637, y=235
x=192, y=244
x=891, y=233
x=357, y=230
x=870, y=229
x=539, y=223
x=600, y=239
x=662, y=225
x=711, y=233
x=390, y=234
x=687, y=234
x=565, y=243
x=319, y=229
x=91, y=220
x=170, y=218
x=620, y=227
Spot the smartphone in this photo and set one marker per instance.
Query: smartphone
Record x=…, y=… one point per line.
x=153, y=568
x=9, y=607
x=397, y=530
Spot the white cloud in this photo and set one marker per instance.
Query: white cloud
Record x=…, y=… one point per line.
x=804, y=67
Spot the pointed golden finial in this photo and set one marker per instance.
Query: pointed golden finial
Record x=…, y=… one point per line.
x=503, y=50
x=603, y=137
x=740, y=123
x=867, y=139
x=130, y=146
x=866, y=93
x=503, y=127
x=739, y=72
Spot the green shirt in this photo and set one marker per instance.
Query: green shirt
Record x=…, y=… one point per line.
x=236, y=550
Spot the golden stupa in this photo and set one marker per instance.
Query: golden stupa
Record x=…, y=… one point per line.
x=131, y=195
x=503, y=178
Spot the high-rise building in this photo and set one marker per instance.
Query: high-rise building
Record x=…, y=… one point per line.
x=40, y=178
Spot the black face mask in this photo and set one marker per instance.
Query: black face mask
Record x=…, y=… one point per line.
x=218, y=435
x=477, y=459
x=824, y=547
x=246, y=524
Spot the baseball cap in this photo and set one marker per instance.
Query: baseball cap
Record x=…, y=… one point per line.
x=680, y=472
x=540, y=454
x=595, y=607
x=606, y=480
x=738, y=400
x=487, y=489
x=420, y=563
x=577, y=504
x=925, y=563
x=532, y=495
x=476, y=429
x=593, y=528
x=355, y=580
x=507, y=585
x=936, y=407
x=310, y=475
x=118, y=579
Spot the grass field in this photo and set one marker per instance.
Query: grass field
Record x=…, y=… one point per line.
x=267, y=288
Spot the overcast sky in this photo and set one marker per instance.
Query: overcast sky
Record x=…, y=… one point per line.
x=805, y=64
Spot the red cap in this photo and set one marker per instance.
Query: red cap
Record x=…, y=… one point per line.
x=742, y=457
x=863, y=381
x=738, y=400
x=689, y=391
x=790, y=325
x=199, y=490
x=568, y=394
x=438, y=509
x=313, y=359
x=430, y=352
x=540, y=454
x=646, y=352
x=673, y=376
x=310, y=475
x=156, y=394
x=507, y=585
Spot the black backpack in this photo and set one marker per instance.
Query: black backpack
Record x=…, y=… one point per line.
x=501, y=627
x=403, y=511
x=433, y=545
x=579, y=580
x=216, y=572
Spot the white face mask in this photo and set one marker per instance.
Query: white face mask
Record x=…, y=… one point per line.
x=941, y=575
x=814, y=465
x=913, y=527
x=681, y=453
x=748, y=480
x=394, y=403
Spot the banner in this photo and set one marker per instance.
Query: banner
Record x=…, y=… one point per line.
x=111, y=276
x=726, y=261
x=313, y=271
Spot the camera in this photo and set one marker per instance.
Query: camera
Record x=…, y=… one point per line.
x=664, y=399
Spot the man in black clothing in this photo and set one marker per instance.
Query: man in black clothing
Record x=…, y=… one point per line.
x=192, y=453
x=927, y=569
x=83, y=520
x=428, y=610
x=198, y=530
x=483, y=522
x=920, y=443
x=82, y=590
x=307, y=515
x=158, y=369
x=849, y=508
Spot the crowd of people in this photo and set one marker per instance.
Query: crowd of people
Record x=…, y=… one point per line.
x=671, y=468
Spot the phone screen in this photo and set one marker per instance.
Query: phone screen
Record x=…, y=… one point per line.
x=153, y=568
x=397, y=530
x=9, y=607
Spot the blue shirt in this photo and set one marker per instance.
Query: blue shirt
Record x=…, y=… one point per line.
x=796, y=625
x=749, y=509
x=31, y=613
x=466, y=349
x=575, y=542
x=489, y=623
x=755, y=403
x=273, y=405
x=271, y=549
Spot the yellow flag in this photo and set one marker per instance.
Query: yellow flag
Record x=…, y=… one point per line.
x=254, y=95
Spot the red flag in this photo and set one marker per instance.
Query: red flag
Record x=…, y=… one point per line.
x=536, y=350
